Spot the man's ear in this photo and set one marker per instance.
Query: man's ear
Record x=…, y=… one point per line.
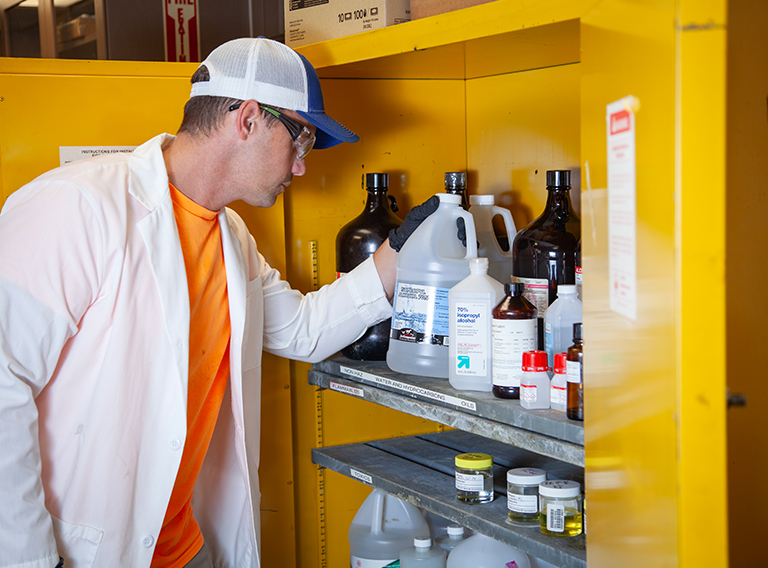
x=248, y=118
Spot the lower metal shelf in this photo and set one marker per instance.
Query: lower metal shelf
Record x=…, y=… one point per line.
x=420, y=470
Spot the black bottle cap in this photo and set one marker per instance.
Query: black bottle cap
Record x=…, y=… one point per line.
x=377, y=181
x=455, y=180
x=514, y=289
x=559, y=178
x=577, y=332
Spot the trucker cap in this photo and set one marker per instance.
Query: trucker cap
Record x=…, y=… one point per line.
x=271, y=73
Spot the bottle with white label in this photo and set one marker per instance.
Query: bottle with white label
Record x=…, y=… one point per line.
x=574, y=371
x=382, y=527
x=558, y=388
x=471, y=302
x=513, y=332
x=534, y=386
x=544, y=252
x=559, y=320
x=492, y=246
x=432, y=261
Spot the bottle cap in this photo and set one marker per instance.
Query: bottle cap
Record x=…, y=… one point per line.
x=422, y=541
x=482, y=200
x=514, y=289
x=455, y=180
x=455, y=530
x=566, y=289
x=560, y=488
x=449, y=198
x=526, y=476
x=474, y=461
x=478, y=265
x=559, y=178
x=577, y=331
x=377, y=181
x=535, y=361
x=560, y=359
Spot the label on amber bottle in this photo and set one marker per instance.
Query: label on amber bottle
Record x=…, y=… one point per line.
x=510, y=339
x=536, y=291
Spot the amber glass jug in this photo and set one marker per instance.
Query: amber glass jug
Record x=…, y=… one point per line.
x=544, y=252
x=358, y=240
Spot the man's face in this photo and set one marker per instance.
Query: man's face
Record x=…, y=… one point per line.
x=273, y=163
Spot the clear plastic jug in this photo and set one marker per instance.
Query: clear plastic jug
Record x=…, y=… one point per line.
x=383, y=526
x=484, y=210
x=480, y=551
x=559, y=320
x=431, y=262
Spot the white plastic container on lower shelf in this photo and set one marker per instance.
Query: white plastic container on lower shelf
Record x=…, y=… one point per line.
x=480, y=551
x=383, y=526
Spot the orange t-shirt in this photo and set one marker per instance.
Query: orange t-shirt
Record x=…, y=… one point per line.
x=209, y=333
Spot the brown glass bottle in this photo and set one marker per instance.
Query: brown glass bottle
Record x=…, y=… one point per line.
x=513, y=327
x=575, y=375
x=456, y=183
x=355, y=242
x=544, y=252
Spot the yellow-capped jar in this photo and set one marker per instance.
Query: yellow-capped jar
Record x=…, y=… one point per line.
x=474, y=478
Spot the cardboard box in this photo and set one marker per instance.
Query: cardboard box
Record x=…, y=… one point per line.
x=426, y=8
x=310, y=21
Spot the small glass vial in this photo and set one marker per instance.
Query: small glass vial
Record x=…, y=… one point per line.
x=535, y=385
x=560, y=508
x=558, y=388
x=474, y=478
x=523, y=493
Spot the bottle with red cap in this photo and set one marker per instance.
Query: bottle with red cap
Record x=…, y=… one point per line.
x=558, y=389
x=535, y=384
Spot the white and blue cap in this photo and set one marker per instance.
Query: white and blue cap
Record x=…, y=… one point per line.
x=271, y=73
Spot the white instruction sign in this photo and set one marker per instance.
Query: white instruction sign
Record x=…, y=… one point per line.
x=622, y=206
x=68, y=154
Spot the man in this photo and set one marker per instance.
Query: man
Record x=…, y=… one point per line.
x=134, y=306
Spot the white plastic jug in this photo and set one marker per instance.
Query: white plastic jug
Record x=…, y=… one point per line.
x=483, y=209
x=431, y=262
x=383, y=526
x=558, y=322
x=480, y=551
x=471, y=304
x=423, y=554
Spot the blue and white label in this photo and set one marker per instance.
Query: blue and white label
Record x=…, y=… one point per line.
x=471, y=340
x=420, y=314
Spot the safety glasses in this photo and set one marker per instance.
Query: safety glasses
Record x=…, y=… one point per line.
x=303, y=139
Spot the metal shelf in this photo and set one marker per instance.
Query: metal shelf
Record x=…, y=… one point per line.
x=420, y=470
x=544, y=432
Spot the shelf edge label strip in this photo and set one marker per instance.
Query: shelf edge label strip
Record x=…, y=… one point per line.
x=413, y=389
x=346, y=389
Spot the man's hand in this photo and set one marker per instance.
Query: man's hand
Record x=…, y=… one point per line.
x=398, y=236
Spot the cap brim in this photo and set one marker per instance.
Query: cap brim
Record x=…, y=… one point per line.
x=329, y=132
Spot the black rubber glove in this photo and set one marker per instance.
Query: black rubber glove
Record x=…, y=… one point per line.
x=398, y=236
x=461, y=232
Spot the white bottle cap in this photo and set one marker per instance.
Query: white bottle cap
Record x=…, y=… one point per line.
x=422, y=542
x=455, y=530
x=560, y=488
x=449, y=198
x=478, y=265
x=481, y=200
x=526, y=476
x=566, y=289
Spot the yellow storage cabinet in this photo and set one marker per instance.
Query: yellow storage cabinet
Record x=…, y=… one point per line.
x=507, y=90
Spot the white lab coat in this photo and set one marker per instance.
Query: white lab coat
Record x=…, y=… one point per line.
x=94, y=316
